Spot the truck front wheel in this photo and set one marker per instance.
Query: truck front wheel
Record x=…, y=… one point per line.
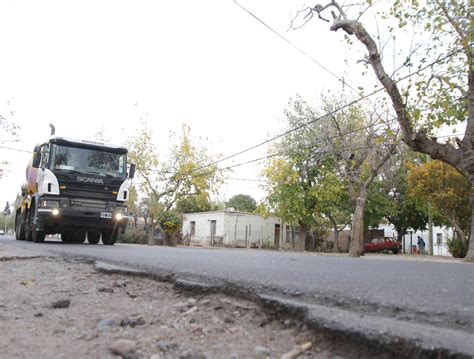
x=38, y=236
x=93, y=237
x=73, y=237
x=109, y=237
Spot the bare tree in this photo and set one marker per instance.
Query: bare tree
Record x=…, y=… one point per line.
x=452, y=29
x=364, y=141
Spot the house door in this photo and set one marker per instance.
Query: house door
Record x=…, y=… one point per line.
x=212, y=232
x=276, y=239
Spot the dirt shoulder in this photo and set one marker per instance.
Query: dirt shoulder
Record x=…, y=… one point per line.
x=52, y=307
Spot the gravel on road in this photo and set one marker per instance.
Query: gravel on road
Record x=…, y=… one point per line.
x=52, y=307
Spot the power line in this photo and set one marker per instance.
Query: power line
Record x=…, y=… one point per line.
x=351, y=103
x=244, y=179
x=15, y=149
x=294, y=46
x=281, y=153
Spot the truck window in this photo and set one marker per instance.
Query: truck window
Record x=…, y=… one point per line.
x=89, y=161
x=45, y=155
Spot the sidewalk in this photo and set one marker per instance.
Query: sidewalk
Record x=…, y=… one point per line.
x=51, y=308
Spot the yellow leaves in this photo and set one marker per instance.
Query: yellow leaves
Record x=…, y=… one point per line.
x=27, y=283
x=262, y=210
x=440, y=184
x=281, y=172
x=167, y=178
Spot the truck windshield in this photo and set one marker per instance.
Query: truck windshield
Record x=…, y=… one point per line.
x=92, y=161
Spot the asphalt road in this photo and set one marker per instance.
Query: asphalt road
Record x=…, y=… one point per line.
x=433, y=293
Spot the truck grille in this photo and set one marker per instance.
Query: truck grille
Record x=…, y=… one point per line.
x=72, y=192
x=88, y=191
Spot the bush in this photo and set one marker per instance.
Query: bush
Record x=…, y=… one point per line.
x=170, y=222
x=268, y=245
x=457, y=247
x=134, y=235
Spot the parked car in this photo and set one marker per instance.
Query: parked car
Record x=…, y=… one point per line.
x=2, y=232
x=383, y=245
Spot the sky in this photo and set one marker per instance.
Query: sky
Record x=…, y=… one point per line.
x=87, y=66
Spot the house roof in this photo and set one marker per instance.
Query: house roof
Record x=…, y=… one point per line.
x=228, y=211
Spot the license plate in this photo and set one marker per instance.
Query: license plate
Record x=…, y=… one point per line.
x=105, y=215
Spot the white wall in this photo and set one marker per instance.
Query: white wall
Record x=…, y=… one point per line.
x=203, y=226
x=233, y=228
x=249, y=230
x=437, y=250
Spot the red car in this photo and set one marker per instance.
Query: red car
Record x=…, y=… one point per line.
x=383, y=245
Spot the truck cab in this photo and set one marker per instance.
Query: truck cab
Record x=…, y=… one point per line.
x=76, y=188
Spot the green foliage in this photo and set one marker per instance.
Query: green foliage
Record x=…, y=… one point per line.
x=394, y=202
x=242, y=202
x=134, y=235
x=170, y=222
x=262, y=210
x=457, y=247
x=447, y=190
x=184, y=179
x=8, y=222
x=191, y=204
x=444, y=28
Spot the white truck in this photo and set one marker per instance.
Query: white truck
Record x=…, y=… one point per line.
x=76, y=188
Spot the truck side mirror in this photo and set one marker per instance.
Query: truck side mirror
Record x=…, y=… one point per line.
x=36, y=157
x=131, y=172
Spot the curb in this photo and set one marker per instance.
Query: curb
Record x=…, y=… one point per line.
x=394, y=337
x=387, y=333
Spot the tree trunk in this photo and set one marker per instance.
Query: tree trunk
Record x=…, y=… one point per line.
x=470, y=252
x=336, y=233
x=151, y=237
x=462, y=156
x=293, y=244
x=400, y=235
x=357, y=243
x=302, y=239
x=336, y=239
x=430, y=229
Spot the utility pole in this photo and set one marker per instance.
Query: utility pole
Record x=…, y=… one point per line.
x=430, y=232
x=411, y=242
x=6, y=212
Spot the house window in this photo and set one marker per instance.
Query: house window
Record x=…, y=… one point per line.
x=288, y=234
x=193, y=228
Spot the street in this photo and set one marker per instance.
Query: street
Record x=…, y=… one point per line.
x=401, y=294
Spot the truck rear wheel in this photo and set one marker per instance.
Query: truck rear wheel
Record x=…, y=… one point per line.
x=93, y=237
x=109, y=237
x=19, y=228
x=28, y=233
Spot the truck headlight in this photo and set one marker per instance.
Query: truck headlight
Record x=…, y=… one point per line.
x=49, y=203
x=118, y=216
x=55, y=212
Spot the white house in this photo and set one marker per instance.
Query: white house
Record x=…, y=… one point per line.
x=237, y=229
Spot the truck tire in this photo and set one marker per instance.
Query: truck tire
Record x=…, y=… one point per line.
x=19, y=228
x=93, y=237
x=38, y=236
x=28, y=234
x=73, y=237
x=109, y=237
